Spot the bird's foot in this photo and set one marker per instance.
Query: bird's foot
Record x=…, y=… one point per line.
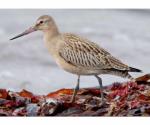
x=102, y=103
x=72, y=100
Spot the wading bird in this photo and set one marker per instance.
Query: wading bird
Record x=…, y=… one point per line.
x=77, y=55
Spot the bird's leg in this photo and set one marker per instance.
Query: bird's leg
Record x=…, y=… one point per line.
x=101, y=88
x=76, y=89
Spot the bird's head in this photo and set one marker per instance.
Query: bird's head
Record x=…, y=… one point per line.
x=43, y=23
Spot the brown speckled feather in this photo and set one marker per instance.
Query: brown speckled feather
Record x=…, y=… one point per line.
x=81, y=52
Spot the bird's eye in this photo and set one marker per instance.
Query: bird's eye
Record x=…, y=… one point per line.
x=41, y=22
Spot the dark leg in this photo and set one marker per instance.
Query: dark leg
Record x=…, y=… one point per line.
x=101, y=87
x=76, y=89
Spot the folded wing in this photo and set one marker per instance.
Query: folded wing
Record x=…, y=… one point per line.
x=83, y=53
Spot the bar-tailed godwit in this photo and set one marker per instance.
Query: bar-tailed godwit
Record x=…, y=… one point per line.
x=77, y=55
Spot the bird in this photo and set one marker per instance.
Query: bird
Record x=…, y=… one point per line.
x=78, y=55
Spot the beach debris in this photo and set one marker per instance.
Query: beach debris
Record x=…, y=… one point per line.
x=121, y=99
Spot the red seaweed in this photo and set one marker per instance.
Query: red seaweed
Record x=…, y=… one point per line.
x=121, y=99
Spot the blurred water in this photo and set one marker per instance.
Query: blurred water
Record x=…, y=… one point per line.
x=26, y=64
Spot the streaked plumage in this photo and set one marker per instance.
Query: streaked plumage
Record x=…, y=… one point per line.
x=78, y=55
x=85, y=54
x=81, y=52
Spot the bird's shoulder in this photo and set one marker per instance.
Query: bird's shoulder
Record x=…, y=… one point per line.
x=78, y=43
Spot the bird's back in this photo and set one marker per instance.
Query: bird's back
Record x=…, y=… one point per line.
x=88, y=57
x=84, y=53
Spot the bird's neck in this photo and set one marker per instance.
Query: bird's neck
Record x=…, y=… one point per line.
x=51, y=33
x=51, y=40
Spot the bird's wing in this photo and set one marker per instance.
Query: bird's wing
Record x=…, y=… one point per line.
x=83, y=53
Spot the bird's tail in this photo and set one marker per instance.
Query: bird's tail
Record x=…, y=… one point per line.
x=134, y=70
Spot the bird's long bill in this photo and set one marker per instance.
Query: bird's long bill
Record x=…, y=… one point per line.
x=30, y=30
